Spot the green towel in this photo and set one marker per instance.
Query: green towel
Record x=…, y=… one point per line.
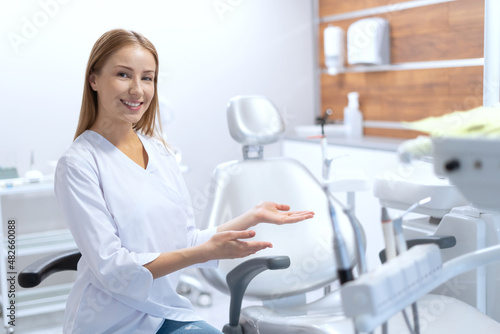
x=8, y=173
x=478, y=122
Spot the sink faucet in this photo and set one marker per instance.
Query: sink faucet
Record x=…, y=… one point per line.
x=327, y=162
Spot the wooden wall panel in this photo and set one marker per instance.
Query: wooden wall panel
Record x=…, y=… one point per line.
x=405, y=95
x=329, y=7
x=466, y=14
x=438, y=46
x=466, y=81
x=393, y=133
x=445, y=31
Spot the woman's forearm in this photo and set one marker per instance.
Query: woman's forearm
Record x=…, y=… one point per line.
x=240, y=223
x=170, y=262
x=222, y=245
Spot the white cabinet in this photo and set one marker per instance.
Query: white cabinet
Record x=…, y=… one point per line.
x=32, y=227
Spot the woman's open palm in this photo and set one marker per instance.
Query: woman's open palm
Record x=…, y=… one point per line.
x=270, y=212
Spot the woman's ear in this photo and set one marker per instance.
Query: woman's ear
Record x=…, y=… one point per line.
x=92, y=81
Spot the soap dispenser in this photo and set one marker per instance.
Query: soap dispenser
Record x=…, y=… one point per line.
x=353, y=118
x=334, y=49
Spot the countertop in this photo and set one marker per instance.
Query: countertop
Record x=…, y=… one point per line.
x=367, y=142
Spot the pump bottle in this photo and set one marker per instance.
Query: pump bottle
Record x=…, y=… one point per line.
x=353, y=118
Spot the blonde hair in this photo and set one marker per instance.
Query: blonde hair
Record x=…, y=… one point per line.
x=104, y=47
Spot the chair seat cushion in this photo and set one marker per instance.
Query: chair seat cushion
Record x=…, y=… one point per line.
x=438, y=314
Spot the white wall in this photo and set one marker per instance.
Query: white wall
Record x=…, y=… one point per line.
x=210, y=50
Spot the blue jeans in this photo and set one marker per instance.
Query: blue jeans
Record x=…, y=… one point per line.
x=189, y=327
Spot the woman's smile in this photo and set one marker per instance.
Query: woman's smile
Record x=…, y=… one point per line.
x=132, y=105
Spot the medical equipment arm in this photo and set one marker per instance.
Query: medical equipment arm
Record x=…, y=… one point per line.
x=238, y=280
x=360, y=240
x=36, y=272
x=344, y=266
x=443, y=241
x=377, y=296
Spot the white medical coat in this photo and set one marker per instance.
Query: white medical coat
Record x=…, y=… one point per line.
x=121, y=217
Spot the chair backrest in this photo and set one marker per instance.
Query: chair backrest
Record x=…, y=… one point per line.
x=254, y=120
x=239, y=185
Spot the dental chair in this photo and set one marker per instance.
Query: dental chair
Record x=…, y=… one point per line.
x=302, y=258
x=237, y=186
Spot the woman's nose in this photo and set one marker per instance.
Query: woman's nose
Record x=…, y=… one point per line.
x=135, y=88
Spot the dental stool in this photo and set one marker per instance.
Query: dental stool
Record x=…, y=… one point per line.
x=237, y=186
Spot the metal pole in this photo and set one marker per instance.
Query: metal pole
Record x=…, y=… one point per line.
x=491, y=84
x=316, y=68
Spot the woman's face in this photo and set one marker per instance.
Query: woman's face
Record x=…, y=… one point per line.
x=125, y=85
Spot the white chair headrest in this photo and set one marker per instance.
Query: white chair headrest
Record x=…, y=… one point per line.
x=254, y=120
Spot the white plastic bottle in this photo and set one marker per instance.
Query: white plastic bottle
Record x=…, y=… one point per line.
x=353, y=118
x=334, y=49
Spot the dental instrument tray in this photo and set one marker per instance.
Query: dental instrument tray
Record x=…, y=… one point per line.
x=473, y=165
x=401, y=187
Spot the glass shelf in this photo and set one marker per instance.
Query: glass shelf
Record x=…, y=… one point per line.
x=42, y=300
x=44, y=242
x=21, y=186
x=420, y=65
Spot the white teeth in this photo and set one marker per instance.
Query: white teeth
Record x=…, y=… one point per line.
x=131, y=104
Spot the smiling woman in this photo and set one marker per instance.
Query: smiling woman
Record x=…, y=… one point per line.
x=121, y=47
x=122, y=194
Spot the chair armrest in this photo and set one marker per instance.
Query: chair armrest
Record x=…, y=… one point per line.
x=238, y=280
x=36, y=272
x=443, y=241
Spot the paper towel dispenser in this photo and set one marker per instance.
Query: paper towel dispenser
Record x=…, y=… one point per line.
x=368, y=42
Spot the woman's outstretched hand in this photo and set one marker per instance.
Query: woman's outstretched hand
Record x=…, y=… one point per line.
x=227, y=245
x=265, y=212
x=228, y=242
x=279, y=214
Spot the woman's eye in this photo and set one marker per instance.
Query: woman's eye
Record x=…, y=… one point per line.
x=123, y=75
x=147, y=78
